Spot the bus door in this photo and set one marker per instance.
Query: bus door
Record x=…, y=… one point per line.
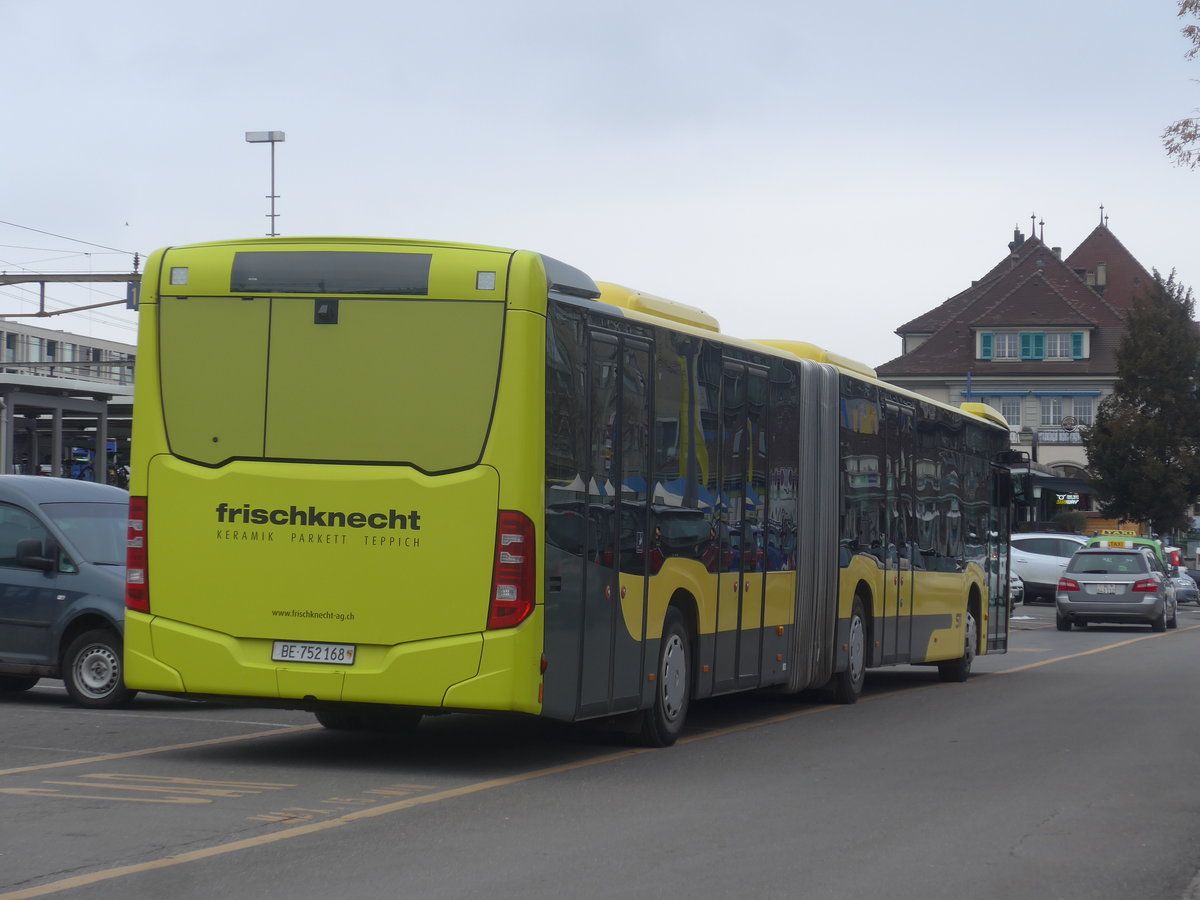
x=741, y=589
x=999, y=603
x=614, y=613
x=896, y=627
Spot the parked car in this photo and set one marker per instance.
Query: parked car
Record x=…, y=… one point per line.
x=62, y=587
x=1123, y=540
x=1186, y=590
x=1102, y=585
x=1039, y=558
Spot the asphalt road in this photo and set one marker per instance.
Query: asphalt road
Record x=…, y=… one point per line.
x=1062, y=769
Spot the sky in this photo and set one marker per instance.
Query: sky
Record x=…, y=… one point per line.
x=806, y=170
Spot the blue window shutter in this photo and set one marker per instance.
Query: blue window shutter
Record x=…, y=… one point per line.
x=1039, y=345
x=1076, y=345
x=1026, y=345
x=985, y=345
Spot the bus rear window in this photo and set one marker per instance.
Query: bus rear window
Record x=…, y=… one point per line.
x=330, y=272
x=392, y=381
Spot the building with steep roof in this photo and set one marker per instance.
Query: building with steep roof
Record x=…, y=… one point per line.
x=1035, y=337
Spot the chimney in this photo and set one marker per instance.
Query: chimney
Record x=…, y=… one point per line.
x=1101, y=275
x=1057, y=251
x=1017, y=241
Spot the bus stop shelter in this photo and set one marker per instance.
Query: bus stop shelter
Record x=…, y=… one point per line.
x=45, y=420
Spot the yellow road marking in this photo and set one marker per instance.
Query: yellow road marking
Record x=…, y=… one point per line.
x=1094, y=650
x=150, y=751
x=452, y=793
x=58, y=795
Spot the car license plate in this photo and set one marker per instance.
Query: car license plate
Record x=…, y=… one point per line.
x=1106, y=589
x=308, y=652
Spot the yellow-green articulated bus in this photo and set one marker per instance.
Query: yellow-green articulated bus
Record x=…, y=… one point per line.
x=381, y=479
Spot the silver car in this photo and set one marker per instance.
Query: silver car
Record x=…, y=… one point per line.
x=1123, y=586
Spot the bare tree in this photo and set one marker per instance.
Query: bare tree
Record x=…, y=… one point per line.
x=1182, y=139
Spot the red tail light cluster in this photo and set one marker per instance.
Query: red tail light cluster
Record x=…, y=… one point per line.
x=1145, y=586
x=137, y=587
x=514, y=571
x=1067, y=585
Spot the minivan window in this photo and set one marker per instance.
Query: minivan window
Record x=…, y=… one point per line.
x=16, y=525
x=99, y=531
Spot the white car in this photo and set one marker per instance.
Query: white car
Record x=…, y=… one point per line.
x=1039, y=558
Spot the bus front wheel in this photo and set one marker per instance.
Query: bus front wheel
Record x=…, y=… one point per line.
x=663, y=722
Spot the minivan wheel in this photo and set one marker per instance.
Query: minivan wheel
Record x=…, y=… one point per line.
x=93, y=670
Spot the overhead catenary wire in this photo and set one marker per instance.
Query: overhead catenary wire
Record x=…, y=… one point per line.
x=67, y=308
x=65, y=238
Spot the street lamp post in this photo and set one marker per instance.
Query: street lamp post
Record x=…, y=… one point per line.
x=272, y=138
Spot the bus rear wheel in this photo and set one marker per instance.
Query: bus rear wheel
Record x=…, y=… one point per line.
x=848, y=684
x=663, y=722
x=959, y=669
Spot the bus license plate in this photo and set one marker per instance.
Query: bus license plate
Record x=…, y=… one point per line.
x=308, y=652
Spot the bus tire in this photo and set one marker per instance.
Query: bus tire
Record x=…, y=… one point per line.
x=848, y=684
x=958, y=669
x=663, y=722
x=93, y=670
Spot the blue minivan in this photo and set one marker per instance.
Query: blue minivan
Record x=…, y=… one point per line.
x=62, y=587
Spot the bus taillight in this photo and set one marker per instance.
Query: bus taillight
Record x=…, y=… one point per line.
x=513, y=572
x=137, y=589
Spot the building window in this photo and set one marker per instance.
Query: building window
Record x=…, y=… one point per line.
x=1052, y=411
x=1031, y=345
x=1081, y=409
x=1058, y=345
x=1001, y=345
x=1010, y=408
